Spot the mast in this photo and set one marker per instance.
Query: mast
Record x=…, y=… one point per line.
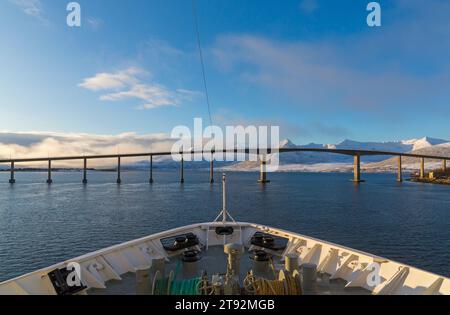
x=224, y=213
x=224, y=199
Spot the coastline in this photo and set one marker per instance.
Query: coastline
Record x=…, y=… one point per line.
x=438, y=181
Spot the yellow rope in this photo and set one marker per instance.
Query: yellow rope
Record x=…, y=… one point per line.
x=262, y=286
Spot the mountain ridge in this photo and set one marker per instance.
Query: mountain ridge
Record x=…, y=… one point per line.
x=330, y=162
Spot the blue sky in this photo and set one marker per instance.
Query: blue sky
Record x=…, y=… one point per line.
x=313, y=67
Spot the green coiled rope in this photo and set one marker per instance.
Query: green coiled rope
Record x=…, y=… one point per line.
x=161, y=286
x=183, y=287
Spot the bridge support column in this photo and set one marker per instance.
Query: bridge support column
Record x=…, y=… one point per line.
x=399, y=170
x=263, y=172
x=444, y=166
x=119, y=179
x=211, y=172
x=422, y=168
x=12, y=180
x=151, y=170
x=182, y=170
x=85, y=171
x=357, y=169
x=49, y=179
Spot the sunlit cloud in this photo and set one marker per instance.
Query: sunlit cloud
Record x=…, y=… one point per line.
x=116, y=80
x=44, y=144
x=152, y=95
x=128, y=84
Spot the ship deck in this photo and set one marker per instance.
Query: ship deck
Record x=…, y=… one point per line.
x=214, y=261
x=133, y=267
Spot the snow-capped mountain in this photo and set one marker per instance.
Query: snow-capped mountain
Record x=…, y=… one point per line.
x=308, y=161
x=397, y=146
x=392, y=146
x=324, y=162
x=426, y=142
x=442, y=149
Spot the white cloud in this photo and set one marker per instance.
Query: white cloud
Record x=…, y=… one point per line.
x=321, y=74
x=395, y=69
x=308, y=6
x=31, y=7
x=43, y=144
x=106, y=81
x=94, y=23
x=153, y=96
x=128, y=84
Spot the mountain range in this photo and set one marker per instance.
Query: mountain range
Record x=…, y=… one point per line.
x=323, y=162
x=329, y=162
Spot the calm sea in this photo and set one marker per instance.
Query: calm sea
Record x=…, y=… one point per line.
x=41, y=225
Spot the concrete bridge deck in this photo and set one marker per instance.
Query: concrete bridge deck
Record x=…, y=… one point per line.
x=357, y=154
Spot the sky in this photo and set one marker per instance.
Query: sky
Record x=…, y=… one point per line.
x=132, y=71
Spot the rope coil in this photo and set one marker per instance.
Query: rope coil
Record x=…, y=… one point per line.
x=285, y=285
x=169, y=286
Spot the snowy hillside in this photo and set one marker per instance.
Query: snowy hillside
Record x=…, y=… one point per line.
x=329, y=162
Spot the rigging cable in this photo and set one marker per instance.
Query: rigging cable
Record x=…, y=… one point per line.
x=197, y=31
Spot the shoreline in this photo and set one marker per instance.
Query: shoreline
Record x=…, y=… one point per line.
x=441, y=181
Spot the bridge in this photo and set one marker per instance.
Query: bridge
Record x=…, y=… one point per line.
x=357, y=154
